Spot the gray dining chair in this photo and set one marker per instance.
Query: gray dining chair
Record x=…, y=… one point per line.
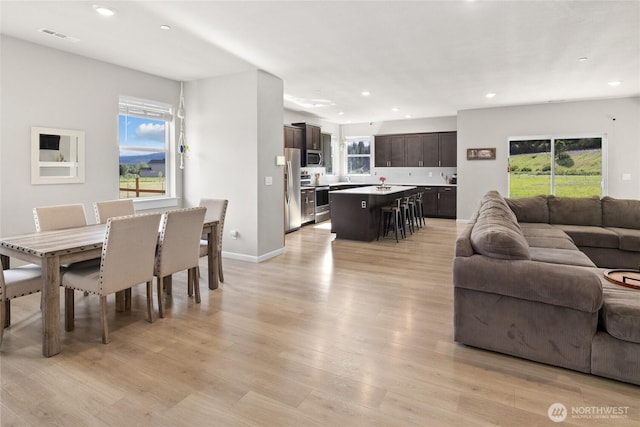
x=179, y=248
x=128, y=256
x=216, y=209
x=14, y=283
x=111, y=208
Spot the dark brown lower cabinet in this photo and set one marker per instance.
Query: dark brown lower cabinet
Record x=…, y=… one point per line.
x=439, y=201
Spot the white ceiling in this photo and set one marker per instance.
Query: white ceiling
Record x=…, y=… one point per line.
x=427, y=58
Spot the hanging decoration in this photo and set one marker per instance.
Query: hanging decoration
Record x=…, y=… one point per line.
x=182, y=140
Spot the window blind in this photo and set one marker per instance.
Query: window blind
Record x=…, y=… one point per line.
x=142, y=108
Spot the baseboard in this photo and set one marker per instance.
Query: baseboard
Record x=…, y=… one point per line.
x=254, y=259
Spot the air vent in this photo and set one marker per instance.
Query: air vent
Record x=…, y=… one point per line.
x=58, y=35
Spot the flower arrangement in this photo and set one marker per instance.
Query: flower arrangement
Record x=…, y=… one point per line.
x=382, y=180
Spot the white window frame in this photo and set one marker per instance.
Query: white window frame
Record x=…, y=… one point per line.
x=144, y=108
x=604, y=186
x=347, y=155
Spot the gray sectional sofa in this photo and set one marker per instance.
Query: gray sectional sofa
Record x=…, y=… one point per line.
x=529, y=281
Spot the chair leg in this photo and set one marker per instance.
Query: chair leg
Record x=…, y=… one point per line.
x=1, y=321
x=150, y=301
x=220, y=274
x=168, y=284
x=189, y=283
x=195, y=283
x=7, y=313
x=69, y=310
x=120, y=301
x=160, y=291
x=395, y=225
x=103, y=319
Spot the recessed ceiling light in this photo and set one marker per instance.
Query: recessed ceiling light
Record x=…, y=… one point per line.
x=104, y=11
x=365, y=93
x=490, y=95
x=408, y=116
x=341, y=113
x=583, y=59
x=615, y=83
x=165, y=27
x=396, y=109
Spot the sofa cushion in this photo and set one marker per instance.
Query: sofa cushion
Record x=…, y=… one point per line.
x=597, y=237
x=535, y=226
x=621, y=311
x=530, y=209
x=568, y=286
x=575, y=210
x=550, y=242
x=495, y=200
x=495, y=213
x=560, y=256
x=629, y=238
x=495, y=238
x=620, y=213
x=530, y=230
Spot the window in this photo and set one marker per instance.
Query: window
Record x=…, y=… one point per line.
x=358, y=155
x=144, y=148
x=576, y=169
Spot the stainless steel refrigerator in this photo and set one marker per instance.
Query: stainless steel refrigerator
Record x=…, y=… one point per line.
x=292, y=212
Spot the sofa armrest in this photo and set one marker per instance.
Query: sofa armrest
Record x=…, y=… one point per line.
x=573, y=287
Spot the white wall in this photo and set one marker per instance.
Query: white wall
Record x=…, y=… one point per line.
x=234, y=130
x=270, y=144
x=492, y=128
x=50, y=88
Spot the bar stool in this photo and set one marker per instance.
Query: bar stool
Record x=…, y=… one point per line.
x=408, y=212
x=416, y=211
x=420, y=208
x=389, y=214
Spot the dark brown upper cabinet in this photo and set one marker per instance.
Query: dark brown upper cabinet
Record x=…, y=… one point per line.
x=293, y=137
x=437, y=149
x=389, y=151
x=312, y=136
x=448, y=149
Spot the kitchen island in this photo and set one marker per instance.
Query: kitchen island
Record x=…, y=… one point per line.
x=355, y=212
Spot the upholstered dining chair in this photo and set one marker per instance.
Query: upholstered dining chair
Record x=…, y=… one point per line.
x=58, y=217
x=128, y=256
x=179, y=248
x=14, y=283
x=216, y=209
x=49, y=218
x=110, y=208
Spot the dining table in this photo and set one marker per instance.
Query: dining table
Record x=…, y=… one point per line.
x=52, y=249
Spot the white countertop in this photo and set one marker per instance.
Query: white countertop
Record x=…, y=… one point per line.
x=374, y=190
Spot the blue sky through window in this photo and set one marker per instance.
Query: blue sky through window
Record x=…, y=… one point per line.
x=139, y=136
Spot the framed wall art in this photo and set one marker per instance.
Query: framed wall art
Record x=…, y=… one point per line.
x=481, y=153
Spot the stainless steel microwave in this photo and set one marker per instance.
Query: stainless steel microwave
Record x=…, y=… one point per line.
x=314, y=158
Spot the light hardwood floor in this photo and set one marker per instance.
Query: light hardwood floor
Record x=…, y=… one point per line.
x=332, y=333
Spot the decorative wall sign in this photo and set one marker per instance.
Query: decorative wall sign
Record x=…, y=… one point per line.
x=481, y=153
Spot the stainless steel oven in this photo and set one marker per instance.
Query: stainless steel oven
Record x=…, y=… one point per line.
x=323, y=212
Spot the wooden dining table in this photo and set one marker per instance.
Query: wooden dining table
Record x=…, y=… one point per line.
x=51, y=249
